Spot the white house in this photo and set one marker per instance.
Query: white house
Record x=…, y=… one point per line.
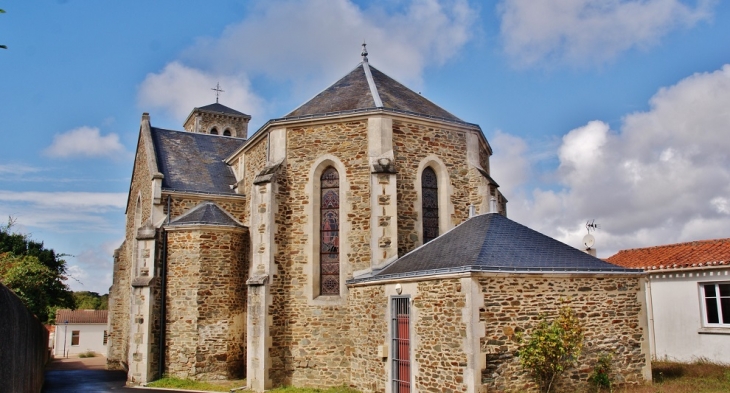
x=79, y=331
x=688, y=297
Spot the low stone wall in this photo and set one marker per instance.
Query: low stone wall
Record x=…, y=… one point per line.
x=610, y=309
x=23, y=346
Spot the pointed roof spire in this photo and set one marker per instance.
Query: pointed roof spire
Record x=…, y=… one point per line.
x=364, y=53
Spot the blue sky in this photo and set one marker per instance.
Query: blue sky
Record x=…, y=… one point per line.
x=609, y=110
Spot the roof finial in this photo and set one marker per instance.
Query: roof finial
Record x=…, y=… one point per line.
x=218, y=91
x=364, y=53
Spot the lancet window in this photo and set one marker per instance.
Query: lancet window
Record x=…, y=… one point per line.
x=430, y=204
x=329, y=254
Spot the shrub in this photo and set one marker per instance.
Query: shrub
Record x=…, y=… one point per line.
x=87, y=354
x=601, y=376
x=551, y=348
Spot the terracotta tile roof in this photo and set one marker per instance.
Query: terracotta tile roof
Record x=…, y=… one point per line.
x=81, y=316
x=697, y=254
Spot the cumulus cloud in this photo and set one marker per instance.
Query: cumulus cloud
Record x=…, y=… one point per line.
x=84, y=142
x=310, y=44
x=590, y=31
x=663, y=177
x=178, y=89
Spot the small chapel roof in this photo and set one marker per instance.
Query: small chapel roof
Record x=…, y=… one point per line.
x=493, y=243
x=193, y=162
x=220, y=108
x=205, y=213
x=365, y=87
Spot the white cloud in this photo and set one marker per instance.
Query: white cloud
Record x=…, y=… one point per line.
x=178, y=89
x=84, y=142
x=17, y=169
x=92, y=269
x=590, y=31
x=510, y=166
x=309, y=44
x=63, y=211
x=664, y=177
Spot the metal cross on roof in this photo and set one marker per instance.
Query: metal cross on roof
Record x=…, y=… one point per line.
x=217, y=90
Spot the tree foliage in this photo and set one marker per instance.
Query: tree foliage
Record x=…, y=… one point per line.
x=85, y=300
x=551, y=348
x=36, y=274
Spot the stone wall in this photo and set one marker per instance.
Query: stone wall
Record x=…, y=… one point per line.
x=368, y=307
x=23, y=346
x=412, y=143
x=119, y=293
x=311, y=345
x=610, y=309
x=206, y=292
x=440, y=335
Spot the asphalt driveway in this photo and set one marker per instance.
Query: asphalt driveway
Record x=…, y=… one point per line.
x=83, y=375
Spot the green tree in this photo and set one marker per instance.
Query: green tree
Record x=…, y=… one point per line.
x=86, y=300
x=36, y=274
x=551, y=348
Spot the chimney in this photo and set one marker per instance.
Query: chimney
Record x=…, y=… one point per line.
x=493, y=205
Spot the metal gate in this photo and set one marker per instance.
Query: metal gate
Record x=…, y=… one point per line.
x=400, y=324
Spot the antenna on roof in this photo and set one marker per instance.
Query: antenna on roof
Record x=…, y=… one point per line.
x=591, y=225
x=217, y=90
x=364, y=53
x=588, y=239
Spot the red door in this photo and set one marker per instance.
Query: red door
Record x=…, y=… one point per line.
x=401, y=346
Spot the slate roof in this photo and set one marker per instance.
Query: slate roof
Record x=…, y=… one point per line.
x=695, y=254
x=193, y=162
x=81, y=316
x=219, y=108
x=206, y=212
x=493, y=243
x=353, y=92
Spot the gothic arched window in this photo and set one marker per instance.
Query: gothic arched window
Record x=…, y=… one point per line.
x=214, y=131
x=329, y=253
x=430, y=204
x=227, y=132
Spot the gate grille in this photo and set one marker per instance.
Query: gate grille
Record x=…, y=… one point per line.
x=400, y=324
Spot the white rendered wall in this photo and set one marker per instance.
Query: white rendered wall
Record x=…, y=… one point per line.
x=91, y=338
x=678, y=331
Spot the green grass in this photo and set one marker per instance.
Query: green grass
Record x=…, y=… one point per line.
x=213, y=386
x=225, y=386
x=87, y=354
x=701, y=376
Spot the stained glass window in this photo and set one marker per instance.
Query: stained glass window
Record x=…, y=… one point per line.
x=329, y=254
x=430, y=204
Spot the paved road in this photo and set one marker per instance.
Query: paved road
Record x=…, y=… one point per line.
x=76, y=375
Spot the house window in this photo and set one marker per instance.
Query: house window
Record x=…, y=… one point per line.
x=430, y=204
x=74, y=337
x=227, y=132
x=214, y=131
x=717, y=304
x=329, y=254
x=401, y=352
x=106, y=337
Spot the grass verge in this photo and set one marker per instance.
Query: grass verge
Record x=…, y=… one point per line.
x=701, y=376
x=188, y=384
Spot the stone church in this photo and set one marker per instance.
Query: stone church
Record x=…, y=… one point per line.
x=357, y=240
